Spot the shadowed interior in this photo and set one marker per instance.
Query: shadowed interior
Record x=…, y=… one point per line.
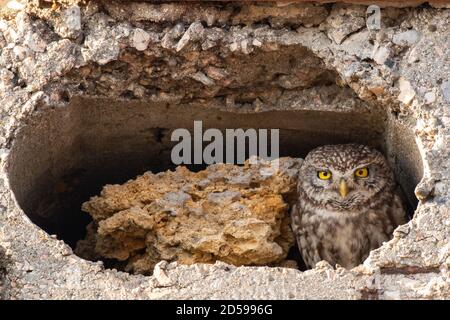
x=63, y=156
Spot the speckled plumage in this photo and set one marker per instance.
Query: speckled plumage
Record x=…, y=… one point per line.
x=343, y=230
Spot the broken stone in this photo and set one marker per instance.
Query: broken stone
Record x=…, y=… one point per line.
x=233, y=46
x=3, y=25
x=246, y=47
x=73, y=18
x=168, y=40
x=445, y=88
x=20, y=52
x=413, y=56
x=344, y=21
x=23, y=22
x=381, y=54
x=35, y=42
x=15, y=5
x=212, y=36
x=429, y=97
x=424, y=189
x=406, y=38
x=6, y=79
x=407, y=93
x=161, y=276
x=101, y=50
x=216, y=73
x=358, y=44
x=69, y=24
x=201, y=77
x=140, y=39
x=194, y=32
x=256, y=43
x=235, y=214
x=377, y=88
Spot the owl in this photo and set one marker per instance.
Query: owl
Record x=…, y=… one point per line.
x=348, y=204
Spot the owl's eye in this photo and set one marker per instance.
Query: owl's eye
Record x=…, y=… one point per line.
x=362, y=173
x=324, y=175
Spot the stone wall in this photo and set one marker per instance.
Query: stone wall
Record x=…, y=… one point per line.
x=82, y=86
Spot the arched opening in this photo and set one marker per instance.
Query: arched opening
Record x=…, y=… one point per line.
x=63, y=156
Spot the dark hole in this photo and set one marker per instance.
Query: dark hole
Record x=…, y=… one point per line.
x=128, y=94
x=63, y=156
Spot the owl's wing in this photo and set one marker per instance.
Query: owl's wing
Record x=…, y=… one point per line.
x=296, y=222
x=295, y=218
x=399, y=207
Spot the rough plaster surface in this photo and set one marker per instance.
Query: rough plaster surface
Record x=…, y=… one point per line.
x=402, y=69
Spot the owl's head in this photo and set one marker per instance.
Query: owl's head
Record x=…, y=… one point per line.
x=345, y=176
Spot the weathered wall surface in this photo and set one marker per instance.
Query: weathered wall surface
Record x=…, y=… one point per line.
x=401, y=69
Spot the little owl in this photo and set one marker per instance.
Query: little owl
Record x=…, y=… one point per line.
x=348, y=204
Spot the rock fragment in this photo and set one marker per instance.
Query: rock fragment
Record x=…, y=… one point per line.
x=194, y=32
x=381, y=54
x=168, y=40
x=445, y=88
x=161, y=276
x=140, y=39
x=406, y=38
x=35, y=42
x=345, y=20
x=407, y=93
x=429, y=97
x=102, y=50
x=219, y=215
x=69, y=23
x=201, y=77
x=216, y=73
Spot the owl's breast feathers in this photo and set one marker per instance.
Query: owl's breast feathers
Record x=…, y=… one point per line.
x=344, y=238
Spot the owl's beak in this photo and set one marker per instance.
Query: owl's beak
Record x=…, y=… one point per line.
x=343, y=188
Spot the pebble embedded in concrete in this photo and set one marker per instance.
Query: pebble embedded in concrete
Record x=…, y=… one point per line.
x=407, y=93
x=140, y=39
x=445, y=88
x=406, y=38
x=381, y=54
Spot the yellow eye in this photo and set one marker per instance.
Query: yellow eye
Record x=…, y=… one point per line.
x=362, y=173
x=324, y=175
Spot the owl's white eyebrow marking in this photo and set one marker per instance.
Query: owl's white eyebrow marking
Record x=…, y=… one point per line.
x=322, y=169
x=364, y=165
